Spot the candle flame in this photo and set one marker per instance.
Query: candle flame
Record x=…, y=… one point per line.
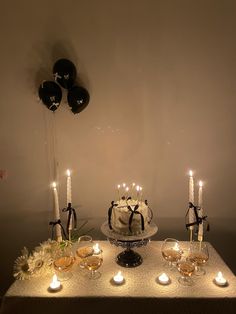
x=200, y=183
x=96, y=248
x=127, y=189
x=68, y=172
x=54, y=185
x=118, y=186
x=54, y=279
x=140, y=188
x=133, y=184
x=124, y=185
x=137, y=188
x=190, y=173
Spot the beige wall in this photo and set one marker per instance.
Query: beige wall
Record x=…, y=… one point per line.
x=161, y=75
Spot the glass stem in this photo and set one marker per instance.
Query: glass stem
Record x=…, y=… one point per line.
x=92, y=273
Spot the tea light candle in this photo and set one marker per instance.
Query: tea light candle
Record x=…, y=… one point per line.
x=55, y=285
x=219, y=280
x=163, y=279
x=118, y=278
x=96, y=249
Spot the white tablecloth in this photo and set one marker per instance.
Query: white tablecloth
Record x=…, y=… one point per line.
x=139, y=294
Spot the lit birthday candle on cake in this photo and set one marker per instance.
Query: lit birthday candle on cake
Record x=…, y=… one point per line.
x=56, y=212
x=141, y=193
x=124, y=186
x=132, y=190
x=137, y=189
x=118, y=190
x=127, y=192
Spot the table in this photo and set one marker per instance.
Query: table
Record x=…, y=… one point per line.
x=139, y=294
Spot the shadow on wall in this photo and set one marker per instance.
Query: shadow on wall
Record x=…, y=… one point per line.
x=48, y=53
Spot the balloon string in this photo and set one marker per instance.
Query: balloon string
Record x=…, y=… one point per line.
x=54, y=148
x=47, y=143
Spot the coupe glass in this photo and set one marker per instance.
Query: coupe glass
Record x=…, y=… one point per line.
x=186, y=269
x=92, y=263
x=84, y=248
x=171, y=251
x=63, y=262
x=199, y=255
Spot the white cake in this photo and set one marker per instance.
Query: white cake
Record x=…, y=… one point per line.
x=129, y=217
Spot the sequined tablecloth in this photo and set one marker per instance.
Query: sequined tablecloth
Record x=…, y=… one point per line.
x=139, y=294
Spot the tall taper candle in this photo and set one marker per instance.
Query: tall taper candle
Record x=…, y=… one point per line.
x=69, y=197
x=191, y=199
x=200, y=227
x=68, y=186
x=56, y=212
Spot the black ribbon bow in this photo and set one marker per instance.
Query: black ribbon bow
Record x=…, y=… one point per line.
x=72, y=213
x=199, y=220
x=53, y=224
x=135, y=211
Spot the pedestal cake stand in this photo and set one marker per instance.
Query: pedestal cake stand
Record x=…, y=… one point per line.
x=129, y=258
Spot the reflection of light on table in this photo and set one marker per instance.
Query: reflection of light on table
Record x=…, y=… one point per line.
x=163, y=279
x=219, y=280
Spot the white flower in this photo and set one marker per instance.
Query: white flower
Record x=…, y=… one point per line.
x=48, y=247
x=40, y=263
x=21, y=268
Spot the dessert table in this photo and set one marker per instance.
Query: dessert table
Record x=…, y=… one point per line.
x=140, y=293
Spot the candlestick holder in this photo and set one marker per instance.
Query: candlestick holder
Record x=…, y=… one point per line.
x=129, y=258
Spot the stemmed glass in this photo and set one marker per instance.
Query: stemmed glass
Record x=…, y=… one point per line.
x=92, y=263
x=199, y=255
x=186, y=269
x=84, y=249
x=63, y=262
x=171, y=251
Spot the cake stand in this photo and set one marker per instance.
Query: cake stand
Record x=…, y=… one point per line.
x=129, y=258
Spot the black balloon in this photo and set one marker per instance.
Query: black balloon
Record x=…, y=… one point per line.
x=78, y=98
x=64, y=72
x=50, y=94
